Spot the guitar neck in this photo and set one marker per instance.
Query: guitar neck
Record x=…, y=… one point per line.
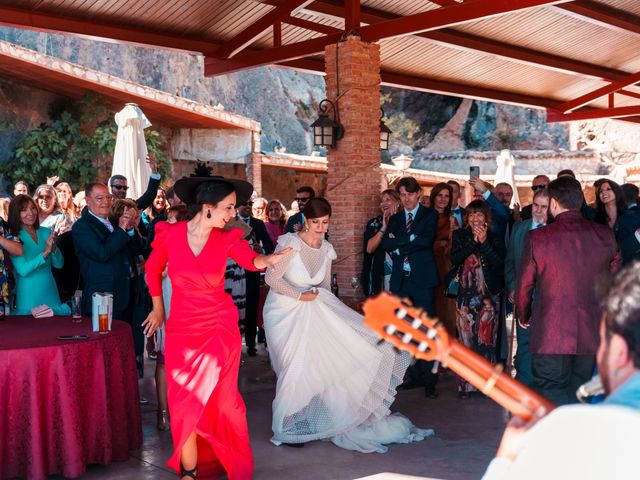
x=493, y=382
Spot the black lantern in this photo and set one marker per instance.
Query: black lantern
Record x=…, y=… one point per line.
x=326, y=132
x=385, y=133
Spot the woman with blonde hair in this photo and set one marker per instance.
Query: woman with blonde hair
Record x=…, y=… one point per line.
x=65, y=199
x=276, y=222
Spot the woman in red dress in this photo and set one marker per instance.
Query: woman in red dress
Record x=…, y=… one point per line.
x=202, y=347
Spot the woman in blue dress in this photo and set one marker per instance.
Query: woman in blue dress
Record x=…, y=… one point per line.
x=34, y=281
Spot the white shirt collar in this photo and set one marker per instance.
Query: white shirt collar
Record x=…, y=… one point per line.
x=412, y=212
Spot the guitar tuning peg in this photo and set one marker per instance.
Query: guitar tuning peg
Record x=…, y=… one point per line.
x=407, y=302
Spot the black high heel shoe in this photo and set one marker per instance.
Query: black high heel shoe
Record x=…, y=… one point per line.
x=188, y=473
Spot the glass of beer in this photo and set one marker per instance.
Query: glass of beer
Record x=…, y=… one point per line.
x=103, y=320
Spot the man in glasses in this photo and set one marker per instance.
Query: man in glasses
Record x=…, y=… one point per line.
x=539, y=182
x=303, y=195
x=261, y=242
x=119, y=187
x=102, y=248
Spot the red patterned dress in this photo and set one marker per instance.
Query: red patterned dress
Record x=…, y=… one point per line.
x=202, y=348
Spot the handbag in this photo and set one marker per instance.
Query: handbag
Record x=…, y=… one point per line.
x=452, y=280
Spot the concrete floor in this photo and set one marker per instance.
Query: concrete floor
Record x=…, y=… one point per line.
x=467, y=435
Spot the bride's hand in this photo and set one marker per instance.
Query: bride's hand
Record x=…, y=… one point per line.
x=308, y=296
x=265, y=261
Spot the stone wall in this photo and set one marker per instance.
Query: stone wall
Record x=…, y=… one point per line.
x=281, y=183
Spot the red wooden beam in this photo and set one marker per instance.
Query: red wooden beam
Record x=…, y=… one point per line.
x=430, y=20
x=431, y=85
x=445, y=3
x=600, y=92
x=34, y=20
x=313, y=26
x=554, y=116
x=277, y=34
x=215, y=66
x=469, y=11
x=257, y=28
x=351, y=16
x=602, y=15
x=465, y=41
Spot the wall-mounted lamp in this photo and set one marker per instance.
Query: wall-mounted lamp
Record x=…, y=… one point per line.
x=385, y=132
x=326, y=132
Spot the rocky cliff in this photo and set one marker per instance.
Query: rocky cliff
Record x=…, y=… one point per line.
x=285, y=102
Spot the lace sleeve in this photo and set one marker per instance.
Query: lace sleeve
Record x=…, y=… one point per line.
x=330, y=256
x=273, y=277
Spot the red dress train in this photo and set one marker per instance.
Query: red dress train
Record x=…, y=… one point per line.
x=202, y=349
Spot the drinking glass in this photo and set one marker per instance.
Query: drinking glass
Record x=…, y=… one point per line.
x=76, y=313
x=103, y=320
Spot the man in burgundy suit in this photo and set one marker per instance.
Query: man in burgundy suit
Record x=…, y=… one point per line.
x=563, y=263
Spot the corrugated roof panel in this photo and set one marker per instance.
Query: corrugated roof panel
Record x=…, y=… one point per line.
x=549, y=30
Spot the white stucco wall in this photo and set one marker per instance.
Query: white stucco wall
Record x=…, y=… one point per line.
x=219, y=145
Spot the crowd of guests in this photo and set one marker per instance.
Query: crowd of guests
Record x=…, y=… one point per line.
x=475, y=266
x=53, y=244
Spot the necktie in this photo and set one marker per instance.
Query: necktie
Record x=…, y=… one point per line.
x=409, y=227
x=409, y=222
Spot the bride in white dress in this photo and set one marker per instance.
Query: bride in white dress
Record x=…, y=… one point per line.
x=334, y=381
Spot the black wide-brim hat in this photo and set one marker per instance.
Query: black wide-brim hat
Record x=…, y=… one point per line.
x=186, y=187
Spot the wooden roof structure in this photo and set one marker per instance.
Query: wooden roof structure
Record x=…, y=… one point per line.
x=74, y=81
x=577, y=59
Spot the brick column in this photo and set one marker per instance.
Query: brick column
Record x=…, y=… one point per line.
x=254, y=164
x=353, y=179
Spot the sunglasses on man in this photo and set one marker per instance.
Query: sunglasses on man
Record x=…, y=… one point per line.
x=302, y=199
x=537, y=187
x=120, y=187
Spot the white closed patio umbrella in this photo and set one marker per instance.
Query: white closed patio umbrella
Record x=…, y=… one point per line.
x=130, y=155
x=505, y=173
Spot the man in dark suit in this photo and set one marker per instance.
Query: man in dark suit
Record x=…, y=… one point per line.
x=628, y=232
x=539, y=182
x=409, y=239
x=514, y=253
x=456, y=210
x=102, y=250
x=303, y=195
x=261, y=242
x=562, y=263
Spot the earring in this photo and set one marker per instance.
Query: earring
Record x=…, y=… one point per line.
x=208, y=213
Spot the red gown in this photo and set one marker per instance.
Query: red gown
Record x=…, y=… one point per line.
x=202, y=349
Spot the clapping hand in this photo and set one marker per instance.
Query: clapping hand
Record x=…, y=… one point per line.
x=480, y=233
x=127, y=217
x=52, y=180
x=50, y=244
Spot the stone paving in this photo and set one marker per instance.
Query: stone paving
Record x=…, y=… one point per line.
x=467, y=435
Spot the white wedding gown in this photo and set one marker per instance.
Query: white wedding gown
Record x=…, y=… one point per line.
x=334, y=381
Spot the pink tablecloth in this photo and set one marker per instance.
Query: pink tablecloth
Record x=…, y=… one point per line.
x=65, y=404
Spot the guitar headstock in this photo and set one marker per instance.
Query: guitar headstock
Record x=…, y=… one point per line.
x=406, y=327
